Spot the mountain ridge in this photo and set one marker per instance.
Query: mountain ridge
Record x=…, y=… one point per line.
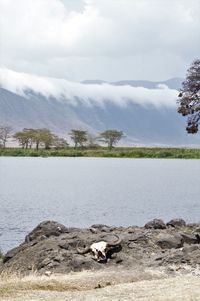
x=172, y=83
x=142, y=125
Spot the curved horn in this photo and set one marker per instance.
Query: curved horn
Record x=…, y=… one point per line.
x=116, y=242
x=83, y=251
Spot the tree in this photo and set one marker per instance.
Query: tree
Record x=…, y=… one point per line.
x=34, y=137
x=29, y=136
x=189, y=97
x=4, y=135
x=23, y=138
x=46, y=138
x=111, y=137
x=79, y=137
x=39, y=137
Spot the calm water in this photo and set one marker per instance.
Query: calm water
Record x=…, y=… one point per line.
x=83, y=191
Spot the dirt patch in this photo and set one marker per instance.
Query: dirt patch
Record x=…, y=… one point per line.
x=103, y=285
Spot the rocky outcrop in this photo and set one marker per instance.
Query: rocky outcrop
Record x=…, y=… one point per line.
x=51, y=247
x=177, y=223
x=155, y=224
x=169, y=241
x=45, y=230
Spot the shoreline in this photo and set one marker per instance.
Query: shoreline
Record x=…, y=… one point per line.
x=52, y=247
x=159, y=261
x=118, y=152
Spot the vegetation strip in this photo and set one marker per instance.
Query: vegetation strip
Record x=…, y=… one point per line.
x=170, y=153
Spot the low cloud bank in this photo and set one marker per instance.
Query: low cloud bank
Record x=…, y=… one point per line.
x=87, y=94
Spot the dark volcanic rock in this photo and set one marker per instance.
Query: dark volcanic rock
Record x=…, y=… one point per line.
x=177, y=222
x=167, y=241
x=46, y=229
x=80, y=262
x=155, y=224
x=51, y=247
x=189, y=255
x=190, y=238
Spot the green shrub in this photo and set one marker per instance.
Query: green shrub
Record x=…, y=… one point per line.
x=121, y=152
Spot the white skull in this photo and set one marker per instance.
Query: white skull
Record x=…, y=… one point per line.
x=99, y=250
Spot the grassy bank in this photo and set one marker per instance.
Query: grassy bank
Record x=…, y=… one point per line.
x=176, y=153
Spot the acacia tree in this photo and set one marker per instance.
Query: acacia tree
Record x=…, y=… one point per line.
x=79, y=137
x=39, y=137
x=23, y=138
x=4, y=135
x=47, y=138
x=36, y=137
x=27, y=137
x=189, y=97
x=111, y=137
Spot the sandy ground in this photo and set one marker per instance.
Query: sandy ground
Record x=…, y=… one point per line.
x=103, y=285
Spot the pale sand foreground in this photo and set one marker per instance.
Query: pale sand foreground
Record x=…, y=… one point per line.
x=102, y=285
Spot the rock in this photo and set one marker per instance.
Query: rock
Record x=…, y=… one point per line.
x=189, y=255
x=10, y=254
x=132, y=229
x=100, y=227
x=192, y=255
x=63, y=245
x=118, y=259
x=139, y=237
x=45, y=230
x=197, y=238
x=93, y=230
x=155, y=224
x=193, y=225
x=79, y=263
x=176, y=223
x=167, y=241
x=189, y=238
x=51, y=248
x=190, y=249
x=172, y=257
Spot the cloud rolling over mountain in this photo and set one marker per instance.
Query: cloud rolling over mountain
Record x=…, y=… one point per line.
x=88, y=94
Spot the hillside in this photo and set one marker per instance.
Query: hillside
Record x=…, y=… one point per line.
x=143, y=123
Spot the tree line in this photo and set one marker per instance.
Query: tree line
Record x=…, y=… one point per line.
x=44, y=138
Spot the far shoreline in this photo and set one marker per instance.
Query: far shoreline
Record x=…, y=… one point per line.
x=118, y=152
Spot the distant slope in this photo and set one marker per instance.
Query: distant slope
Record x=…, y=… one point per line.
x=142, y=125
x=36, y=112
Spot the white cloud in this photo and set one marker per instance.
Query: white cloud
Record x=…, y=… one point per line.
x=88, y=94
x=108, y=39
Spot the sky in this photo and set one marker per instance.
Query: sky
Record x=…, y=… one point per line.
x=110, y=40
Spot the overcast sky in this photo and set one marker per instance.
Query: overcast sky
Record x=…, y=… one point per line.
x=100, y=39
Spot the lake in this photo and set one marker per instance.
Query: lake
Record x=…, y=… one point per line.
x=84, y=191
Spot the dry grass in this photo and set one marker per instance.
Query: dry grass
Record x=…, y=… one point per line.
x=102, y=285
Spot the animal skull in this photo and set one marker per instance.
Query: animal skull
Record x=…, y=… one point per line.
x=100, y=249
